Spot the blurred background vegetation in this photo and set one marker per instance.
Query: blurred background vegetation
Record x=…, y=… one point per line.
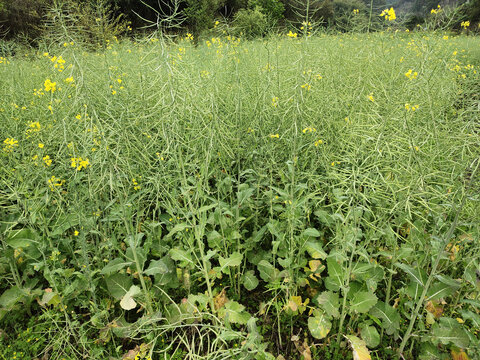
x=95, y=20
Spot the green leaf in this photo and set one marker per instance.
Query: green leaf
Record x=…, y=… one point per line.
x=115, y=266
x=49, y=298
x=181, y=255
x=118, y=285
x=440, y=290
x=250, y=281
x=329, y=302
x=336, y=274
x=64, y=223
x=268, y=272
x=178, y=228
x=311, y=232
x=157, y=267
x=449, y=331
x=362, y=301
x=10, y=297
x=319, y=325
x=389, y=316
x=417, y=275
x=235, y=259
x=140, y=256
x=127, y=302
x=315, y=250
x=370, y=335
x=22, y=238
x=233, y=312
x=429, y=351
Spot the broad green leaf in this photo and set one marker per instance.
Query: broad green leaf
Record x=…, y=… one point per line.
x=315, y=250
x=235, y=259
x=63, y=223
x=449, y=331
x=319, y=325
x=417, y=275
x=389, y=316
x=474, y=318
x=363, y=301
x=268, y=272
x=234, y=312
x=181, y=255
x=429, y=351
x=22, y=238
x=370, y=335
x=10, y=297
x=311, y=232
x=115, y=266
x=360, y=351
x=336, y=274
x=440, y=290
x=329, y=302
x=178, y=228
x=250, y=281
x=118, y=285
x=244, y=195
x=127, y=302
x=157, y=267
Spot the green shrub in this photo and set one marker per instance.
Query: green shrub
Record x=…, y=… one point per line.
x=250, y=22
x=272, y=9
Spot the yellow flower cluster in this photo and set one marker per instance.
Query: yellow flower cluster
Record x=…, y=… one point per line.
x=411, y=74
x=273, y=136
x=389, y=14
x=46, y=159
x=318, y=142
x=4, y=60
x=309, y=129
x=409, y=107
x=465, y=24
x=79, y=163
x=9, y=144
x=437, y=10
x=135, y=184
x=54, y=182
x=356, y=11
x=306, y=86
x=59, y=63
x=275, y=101
x=50, y=86
x=33, y=127
x=292, y=34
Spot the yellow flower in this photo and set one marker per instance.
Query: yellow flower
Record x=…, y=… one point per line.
x=54, y=182
x=318, y=142
x=135, y=184
x=69, y=80
x=273, y=136
x=9, y=144
x=309, y=129
x=275, y=101
x=79, y=163
x=47, y=160
x=306, y=86
x=41, y=146
x=50, y=86
x=292, y=34
x=411, y=75
x=371, y=98
x=355, y=11
x=389, y=14
x=465, y=24
x=78, y=117
x=75, y=233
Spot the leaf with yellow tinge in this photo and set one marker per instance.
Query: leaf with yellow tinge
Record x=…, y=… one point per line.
x=314, y=265
x=459, y=354
x=319, y=325
x=360, y=351
x=294, y=303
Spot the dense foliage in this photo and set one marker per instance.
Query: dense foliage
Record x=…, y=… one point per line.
x=298, y=195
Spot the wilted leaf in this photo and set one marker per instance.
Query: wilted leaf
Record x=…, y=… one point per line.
x=435, y=308
x=360, y=351
x=459, y=354
x=220, y=300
